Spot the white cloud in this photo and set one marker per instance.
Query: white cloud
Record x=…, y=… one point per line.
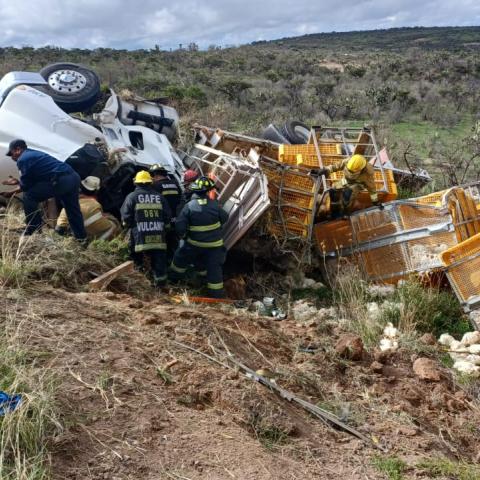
x=144, y=23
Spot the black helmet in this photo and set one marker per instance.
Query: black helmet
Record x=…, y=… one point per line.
x=203, y=184
x=157, y=169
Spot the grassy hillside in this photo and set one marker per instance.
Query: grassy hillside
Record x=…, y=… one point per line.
x=449, y=38
x=361, y=77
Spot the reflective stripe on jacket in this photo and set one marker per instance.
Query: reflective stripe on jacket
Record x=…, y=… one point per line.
x=365, y=178
x=172, y=193
x=146, y=212
x=201, y=221
x=96, y=223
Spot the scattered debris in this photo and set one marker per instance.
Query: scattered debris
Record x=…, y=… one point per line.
x=104, y=280
x=268, y=308
x=381, y=291
x=389, y=342
x=470, y=338
x=374, y=311
x=312, y=284
x=313, y=409
x=465, y=353
x=464, y=366
x=8, y=403
x=304, y=311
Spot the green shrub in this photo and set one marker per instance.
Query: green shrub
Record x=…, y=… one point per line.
x=427, y=309
x=392, y=467
x=444, y=468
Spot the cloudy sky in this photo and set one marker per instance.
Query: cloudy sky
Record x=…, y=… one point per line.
x=143, y=23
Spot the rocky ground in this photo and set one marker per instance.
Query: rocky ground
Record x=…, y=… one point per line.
x=137, y=403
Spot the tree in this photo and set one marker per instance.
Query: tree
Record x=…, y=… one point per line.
x=234, y=89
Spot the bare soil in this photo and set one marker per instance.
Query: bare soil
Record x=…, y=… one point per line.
x=136, y=404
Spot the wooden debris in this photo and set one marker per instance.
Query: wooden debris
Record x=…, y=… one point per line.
x=103, y=280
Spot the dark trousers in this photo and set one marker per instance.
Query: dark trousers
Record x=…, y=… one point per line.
x=157, y=258
x=341, y=201
x=171, y=238
x=211, y=259
x=65, y=189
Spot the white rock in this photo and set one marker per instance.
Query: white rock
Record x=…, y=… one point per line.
x=373, y=310
x=303, y=311
x=388, y=344
x=381, y=290
x=446, y=339
x=456, y=356
x=390, y=331
x=258, y=306
x=475, y=349
x=470, y=338
x=474, y=359
x=456, y=346
x=330, y=312
x=467, y=367
x=308, y=282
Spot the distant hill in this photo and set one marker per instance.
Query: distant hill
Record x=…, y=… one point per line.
x=395, y=39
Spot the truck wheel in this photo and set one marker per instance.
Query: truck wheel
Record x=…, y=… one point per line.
x=74, y=88
x=296, y=132
x=273, y=134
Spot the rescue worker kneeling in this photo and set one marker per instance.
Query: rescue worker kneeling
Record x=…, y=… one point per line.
x=358, y=175
x=146, y=212
x=97, y=224
x=200, y=222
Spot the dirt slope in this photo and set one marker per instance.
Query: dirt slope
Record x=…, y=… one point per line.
x=126, y=416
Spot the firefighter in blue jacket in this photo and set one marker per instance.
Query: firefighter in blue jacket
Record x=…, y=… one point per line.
x=200, y=223
x=146, y=212
x=173, y=195
x=42, y=177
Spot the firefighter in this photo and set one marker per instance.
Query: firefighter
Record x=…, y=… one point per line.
x=42, y=177
x=358, y=175
x=200, y=223
x=97, y=224
x=167, y=187
x=173, y=195
x=189, y=177
x=146, y=212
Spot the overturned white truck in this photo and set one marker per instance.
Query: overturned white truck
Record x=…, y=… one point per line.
x=128, y=135
x=34, y=106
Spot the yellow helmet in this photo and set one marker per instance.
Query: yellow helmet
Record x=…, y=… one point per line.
x=356, y=163
x=143, y=177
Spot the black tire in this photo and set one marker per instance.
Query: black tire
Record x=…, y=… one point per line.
x=78, y=91
x=273, y=134
x=296, y=132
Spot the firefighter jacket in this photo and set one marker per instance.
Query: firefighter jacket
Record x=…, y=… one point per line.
x=172, y=193
x=365, y=179
x=97, y=224
x=147, y=213
x=201, y=221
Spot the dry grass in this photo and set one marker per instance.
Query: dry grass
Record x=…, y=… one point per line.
x=25, y=432
x=351, y=297
x=60, y=261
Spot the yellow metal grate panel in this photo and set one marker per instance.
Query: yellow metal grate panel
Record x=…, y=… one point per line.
x=465, y=278
x=420, y=216
x=390, y=260
x=306, y=155
x=334, y=235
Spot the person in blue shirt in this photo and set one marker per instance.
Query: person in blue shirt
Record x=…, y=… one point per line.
x=42, y=177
